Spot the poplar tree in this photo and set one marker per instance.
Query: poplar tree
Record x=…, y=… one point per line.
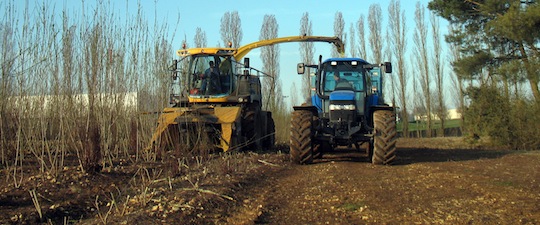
x=398, y=47
x=307, y=52
x=270, y=57
x=231, y=29
x=339, y=27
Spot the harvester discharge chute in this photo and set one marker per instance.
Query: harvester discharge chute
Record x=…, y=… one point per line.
x=219, y=98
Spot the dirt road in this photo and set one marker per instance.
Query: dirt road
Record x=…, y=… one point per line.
x=427, y=186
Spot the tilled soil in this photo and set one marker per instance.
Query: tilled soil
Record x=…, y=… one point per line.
x=434, y=181
x=427, y=187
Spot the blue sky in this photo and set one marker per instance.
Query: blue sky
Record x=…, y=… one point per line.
x=207, y=15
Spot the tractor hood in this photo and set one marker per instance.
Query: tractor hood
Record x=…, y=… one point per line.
x=342, y=95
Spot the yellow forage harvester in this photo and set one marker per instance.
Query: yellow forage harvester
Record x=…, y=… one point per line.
x=217, y=99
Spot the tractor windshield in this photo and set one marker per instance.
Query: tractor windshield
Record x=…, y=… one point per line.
x=342, y=75
x=210, y=75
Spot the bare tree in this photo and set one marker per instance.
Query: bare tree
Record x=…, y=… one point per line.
x=352, y=41
x=270, y=57
x=389, y=54
x=440, y=108
x=339, y=27
x=375, y=29
x=307, y=52
x=231, y=29
x=92, y=135
x=361, y=38
x=398, y=33
x=200, y=38
x=7, y=52
x=421, y=51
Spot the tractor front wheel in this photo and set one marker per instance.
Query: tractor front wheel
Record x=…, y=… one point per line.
x=301, y=148
x=384, y=142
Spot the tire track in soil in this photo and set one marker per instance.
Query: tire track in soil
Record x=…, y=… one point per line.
x=303, y=194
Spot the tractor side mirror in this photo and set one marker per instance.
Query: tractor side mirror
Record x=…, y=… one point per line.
x=300, y=68
x=388, y=67
x=246, y=62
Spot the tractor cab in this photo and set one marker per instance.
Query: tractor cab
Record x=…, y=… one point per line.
x=339, y=83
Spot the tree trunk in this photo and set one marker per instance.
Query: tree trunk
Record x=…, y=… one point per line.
x=531, y=75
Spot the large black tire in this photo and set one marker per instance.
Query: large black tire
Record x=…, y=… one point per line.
x=270, y=137
x=301, y=146
x=320, y=148
x=385, y=136
x=251, y=128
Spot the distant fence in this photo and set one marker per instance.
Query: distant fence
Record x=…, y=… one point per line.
x=448, y=132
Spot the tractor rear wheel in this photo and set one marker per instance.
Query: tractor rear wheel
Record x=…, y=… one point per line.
x=384, y=143
x=301, y=148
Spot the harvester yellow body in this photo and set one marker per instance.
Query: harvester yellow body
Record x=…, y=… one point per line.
x=219, y=97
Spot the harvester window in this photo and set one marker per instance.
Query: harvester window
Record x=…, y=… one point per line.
x=211, y=75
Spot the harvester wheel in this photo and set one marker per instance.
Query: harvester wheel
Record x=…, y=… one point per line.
x=301, y=148
x=270, y=137
x=250, y=128
x=384, y=143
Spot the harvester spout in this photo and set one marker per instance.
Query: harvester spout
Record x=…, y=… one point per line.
x=244, y=50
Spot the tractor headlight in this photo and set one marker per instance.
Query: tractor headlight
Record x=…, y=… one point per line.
x=349, y=107
x=342, y=107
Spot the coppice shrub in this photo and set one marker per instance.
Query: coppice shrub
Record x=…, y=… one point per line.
x=72, y=82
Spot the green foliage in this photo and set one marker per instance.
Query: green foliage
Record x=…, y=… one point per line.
x=471, y=66
x=494, y=33
x=525, y=124
x=453, y=10
x=518, y=23
x=508, y=122
x=487, y=114
x=498, y=42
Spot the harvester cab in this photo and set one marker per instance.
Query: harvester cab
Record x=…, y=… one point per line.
x=346, y=109
x=215, y=95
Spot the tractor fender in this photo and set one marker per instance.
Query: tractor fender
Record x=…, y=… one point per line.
x=374, y=108
x=310, y=108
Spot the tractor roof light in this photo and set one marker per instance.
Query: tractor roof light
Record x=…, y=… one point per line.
x=354, y=63
x=333, y=63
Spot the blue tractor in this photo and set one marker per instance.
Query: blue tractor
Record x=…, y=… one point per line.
x=346, y=109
